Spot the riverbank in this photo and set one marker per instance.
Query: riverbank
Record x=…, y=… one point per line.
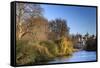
x=78, y=56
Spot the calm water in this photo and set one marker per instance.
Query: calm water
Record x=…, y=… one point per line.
x=77, y=57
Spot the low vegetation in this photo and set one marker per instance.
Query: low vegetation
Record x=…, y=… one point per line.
x=28, y=54
x=32, y=53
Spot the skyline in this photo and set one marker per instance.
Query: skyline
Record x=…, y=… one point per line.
x=79, y=19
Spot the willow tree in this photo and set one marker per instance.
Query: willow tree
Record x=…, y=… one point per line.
x=24, y=12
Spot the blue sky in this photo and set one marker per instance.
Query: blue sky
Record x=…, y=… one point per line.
x=79, y=19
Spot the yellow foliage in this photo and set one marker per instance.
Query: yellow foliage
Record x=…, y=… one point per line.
x=66, y=46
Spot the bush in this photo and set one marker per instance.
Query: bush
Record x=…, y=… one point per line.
x=65, y=46
x=42, y=53
x=24, y=52
x=28, y=53
x=52, y=47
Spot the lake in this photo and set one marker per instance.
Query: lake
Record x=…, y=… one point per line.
x=77, y=57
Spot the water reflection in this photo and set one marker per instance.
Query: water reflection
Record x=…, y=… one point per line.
x=77, y=57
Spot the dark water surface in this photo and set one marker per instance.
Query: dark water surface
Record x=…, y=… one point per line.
x=77, y=57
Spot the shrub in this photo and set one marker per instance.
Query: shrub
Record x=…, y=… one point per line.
x=65, y=46
x=24, y=52
x=28, y=53
x=52, y=47
x=42, y=53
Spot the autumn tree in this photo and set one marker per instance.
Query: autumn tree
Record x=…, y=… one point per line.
x=39, y=28
x=23, y=13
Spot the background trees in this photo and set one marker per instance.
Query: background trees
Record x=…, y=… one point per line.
x=58, y=28
x=91, y=42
